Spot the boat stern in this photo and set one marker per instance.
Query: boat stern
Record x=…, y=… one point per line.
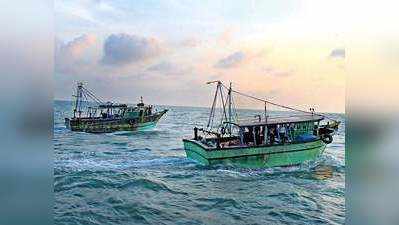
x=67, y=123
x=195, y=151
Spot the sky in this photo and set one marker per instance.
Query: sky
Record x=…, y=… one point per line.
x=290, y=52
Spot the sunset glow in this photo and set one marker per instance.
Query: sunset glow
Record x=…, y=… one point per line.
x=167, y=50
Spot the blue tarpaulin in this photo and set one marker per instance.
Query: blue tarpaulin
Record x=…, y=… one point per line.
x=306, y=138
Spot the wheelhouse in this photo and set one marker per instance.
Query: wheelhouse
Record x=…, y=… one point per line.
x=279, y=130
x=273, y=131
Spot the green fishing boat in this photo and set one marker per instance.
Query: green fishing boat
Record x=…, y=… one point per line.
x=92, y=115
x=261, y=141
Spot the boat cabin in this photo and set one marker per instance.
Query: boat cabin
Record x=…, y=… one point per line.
x=278, y=130
x=272, y=131
x=113, y=111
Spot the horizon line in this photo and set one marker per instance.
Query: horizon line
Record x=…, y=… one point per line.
x=210, y=107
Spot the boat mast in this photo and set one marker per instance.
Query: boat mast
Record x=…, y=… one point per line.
x=211, y=114
x=219, y=91
x=266, y=112
x=78, y=100
x=229, y=109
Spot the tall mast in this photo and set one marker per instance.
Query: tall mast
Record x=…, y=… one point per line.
x=78, y=100
x=211, y=114
x=229, y=94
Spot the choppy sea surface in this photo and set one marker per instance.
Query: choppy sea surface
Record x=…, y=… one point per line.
x=145, y=178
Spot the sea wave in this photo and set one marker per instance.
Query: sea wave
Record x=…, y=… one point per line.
x=145, y=178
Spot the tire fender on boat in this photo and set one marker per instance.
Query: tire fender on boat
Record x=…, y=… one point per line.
x=327, y=138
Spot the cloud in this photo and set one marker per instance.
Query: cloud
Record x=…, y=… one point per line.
x=76, y=47
x=122, y=49
x=168, y=68
x=230, y=61
x=68, y=56
x=162, y=66
x=337, y=53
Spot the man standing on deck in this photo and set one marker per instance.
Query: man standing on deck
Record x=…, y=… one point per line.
x=282, y=134
x=272, y=135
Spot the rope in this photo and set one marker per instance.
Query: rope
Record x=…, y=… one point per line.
x=92, y=96
x=275, y=104
x=223, y=106
x=211, y=115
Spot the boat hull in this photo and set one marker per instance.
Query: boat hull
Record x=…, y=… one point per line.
x=257, y=156
x=112, y=125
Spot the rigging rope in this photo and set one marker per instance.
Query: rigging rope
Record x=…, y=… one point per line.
x=275, y=104
x=223, y=106
x=92, y=96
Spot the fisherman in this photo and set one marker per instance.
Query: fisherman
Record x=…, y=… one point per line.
x=257, y=135
x=246, y=135
x=272, y=135
x=291, y=128
x=282, y=133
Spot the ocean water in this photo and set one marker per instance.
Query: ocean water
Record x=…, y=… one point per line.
x=145, y=178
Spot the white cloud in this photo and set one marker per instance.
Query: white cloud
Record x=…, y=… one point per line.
x=69, y=56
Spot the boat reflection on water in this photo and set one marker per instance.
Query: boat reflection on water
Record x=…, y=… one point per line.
x=322, y=172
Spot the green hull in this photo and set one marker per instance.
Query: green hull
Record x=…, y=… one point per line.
x=255, y=157
x=98, y=125
x=146, y=126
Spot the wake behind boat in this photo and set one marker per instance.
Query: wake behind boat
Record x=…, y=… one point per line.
x=101, y=117
x=261, y=141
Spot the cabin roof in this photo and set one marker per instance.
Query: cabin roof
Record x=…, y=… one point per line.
x=279, y=120
x=112, y=106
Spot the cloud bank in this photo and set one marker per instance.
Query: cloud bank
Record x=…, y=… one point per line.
x=69, y=55
x=168, y=68
x=122, y=49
